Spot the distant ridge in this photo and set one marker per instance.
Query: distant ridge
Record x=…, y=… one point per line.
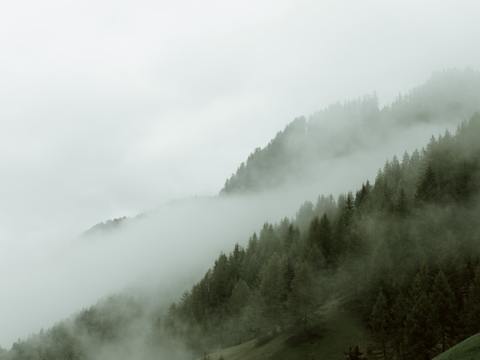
x=398, y=251
x=448, y=97
x=105, y=226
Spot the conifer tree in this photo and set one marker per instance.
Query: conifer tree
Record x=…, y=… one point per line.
x=399, y=313
x=472, y=304
x=380, y=321
x=444, y=307
x=313, y=250
x=420, y=330
x=302, y=298
x=273, y=288
x=402, y=205
x=326, y=240
x=427, y=188
x=240, y=297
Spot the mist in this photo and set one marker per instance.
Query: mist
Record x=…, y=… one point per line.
x=163, y=251
x=115, y=109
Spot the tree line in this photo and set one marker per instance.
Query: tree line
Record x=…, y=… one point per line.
x=406, y=245
x=292, y=154
x=400, y=253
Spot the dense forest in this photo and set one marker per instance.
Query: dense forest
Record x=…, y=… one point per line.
x=347, y=128
x=401, y=254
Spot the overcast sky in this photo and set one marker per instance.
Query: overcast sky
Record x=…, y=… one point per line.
x=111, y=107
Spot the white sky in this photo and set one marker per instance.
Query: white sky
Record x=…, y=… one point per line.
x=111, y=107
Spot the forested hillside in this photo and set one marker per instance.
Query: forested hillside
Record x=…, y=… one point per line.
x=401, y=253
x=399, y=256
x=343, y=129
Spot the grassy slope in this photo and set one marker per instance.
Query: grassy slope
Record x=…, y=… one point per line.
x=340, y=332
x=468, y=349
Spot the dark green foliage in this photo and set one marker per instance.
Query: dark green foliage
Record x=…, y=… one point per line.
x=402, y=244
x=302, y=299
x=273, y=289
x=313, y=251
x=380, y=321
x=240, y=297
x=428, y=189
x=402, y=205
x=403, y=254
x=421, y=331
x=445, y=308
x=326, y=241
x=295, y=152
x=354, y=354
x=473, y=304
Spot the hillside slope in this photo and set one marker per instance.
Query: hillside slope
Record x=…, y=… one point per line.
x=337, y=333
x=400, y=255
x=468, y=349
x=316, y=153
x=340, y=130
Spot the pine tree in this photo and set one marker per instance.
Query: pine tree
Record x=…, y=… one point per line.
x=380, y=321
x=472, y=305
x=427, y=190
x=221, y=285
x=291, y=237
x=302, y=298
x=327, y=245
x=343, y=224
x=464, y=184
x=444, y=307
x=320, y=246
x=305, y=215
x=399, y=315
x=273, y=289
x=420, y=329
x=313, y=251
x=253, y=320
x=362, y=195
x=240, y=297
x=402, y=204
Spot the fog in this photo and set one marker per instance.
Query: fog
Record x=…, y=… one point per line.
x=164, y=250
x=112, y=108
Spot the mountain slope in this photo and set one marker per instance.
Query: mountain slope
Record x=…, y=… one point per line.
x=402, y=254
x=386, y=260
x=468, y=349
x=340, y=130
x=314, y=153
x=338, y=333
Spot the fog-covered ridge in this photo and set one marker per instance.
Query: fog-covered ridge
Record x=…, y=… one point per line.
x=354, y=127
x=407, y=241
x=316, y=153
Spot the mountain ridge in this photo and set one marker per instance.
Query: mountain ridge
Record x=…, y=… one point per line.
x=407, y=241
x=448, y=97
